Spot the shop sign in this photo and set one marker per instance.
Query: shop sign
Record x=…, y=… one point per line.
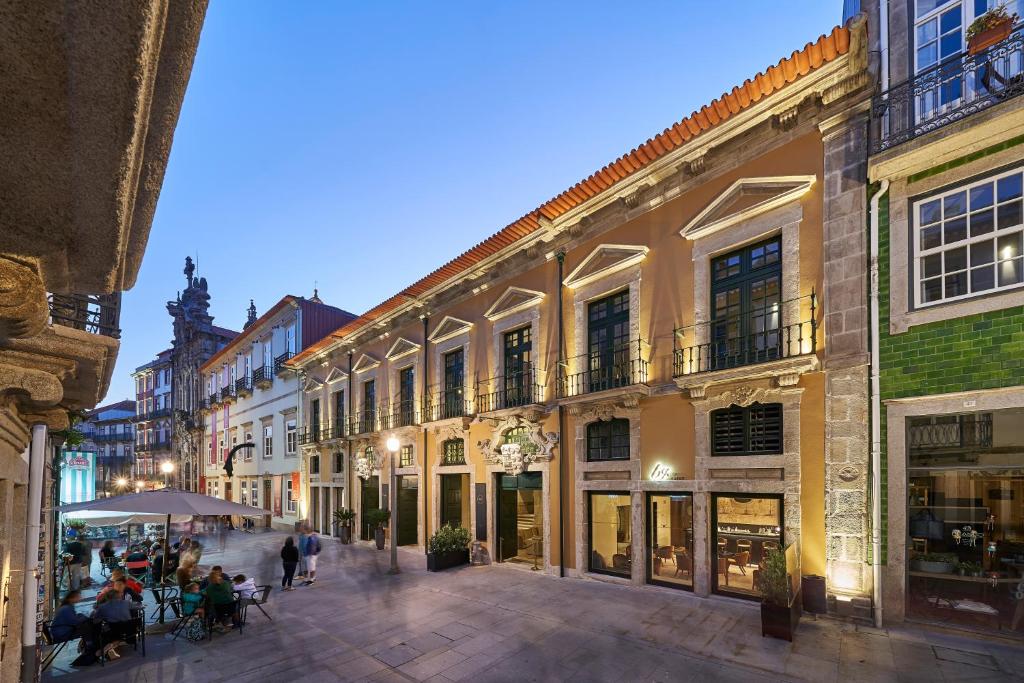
x=661, y=472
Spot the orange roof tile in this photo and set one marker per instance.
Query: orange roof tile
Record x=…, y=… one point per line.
x=789, y=69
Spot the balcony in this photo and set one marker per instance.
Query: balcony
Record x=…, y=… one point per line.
x=512, y=390
x=339, y=429
x=214, y=400
x=158, y=445
x=446, y=404
x=279, y=362
x=116, y=437
x=263, y=377
x=949, y=92
x=243, y=386
x=615, y=367
x=227, y=394
x=159, y=412
x=758, y=336
x=400, y=414
x=310, y=435
x=950, y=434
x=93, y=313
x=202, y=405
x=363, y=423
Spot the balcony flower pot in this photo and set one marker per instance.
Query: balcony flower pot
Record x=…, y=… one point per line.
x=988, y=29
x=437, y=562
x=447, y=548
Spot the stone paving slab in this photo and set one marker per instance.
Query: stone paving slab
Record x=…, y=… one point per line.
x=499, y=623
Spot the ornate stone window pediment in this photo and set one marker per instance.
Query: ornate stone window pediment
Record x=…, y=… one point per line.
x=312, y=384
x=605, y=260
x=744, y=199
x=449, y=327
x=335, y=375
x=402, y=347
x=516, y=443
x=514, y=299
x=365, y=362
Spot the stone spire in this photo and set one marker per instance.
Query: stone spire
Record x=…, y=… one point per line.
x=252, y=315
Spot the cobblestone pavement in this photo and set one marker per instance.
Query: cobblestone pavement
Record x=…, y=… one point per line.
x=499, y=623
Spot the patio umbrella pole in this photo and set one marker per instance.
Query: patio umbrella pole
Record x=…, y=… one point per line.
x=163, y=570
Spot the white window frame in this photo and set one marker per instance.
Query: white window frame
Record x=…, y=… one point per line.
x=290, y=502
x=918, y=254
x=248, y=451
x=268, y=441
x=289, y=436
x=254, y=490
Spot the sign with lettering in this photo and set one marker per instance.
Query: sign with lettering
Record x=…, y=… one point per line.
x=661, y=472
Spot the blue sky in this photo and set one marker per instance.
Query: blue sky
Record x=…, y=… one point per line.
x=361, y=145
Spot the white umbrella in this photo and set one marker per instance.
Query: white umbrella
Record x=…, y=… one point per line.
x=112, y=518
x=167, y=502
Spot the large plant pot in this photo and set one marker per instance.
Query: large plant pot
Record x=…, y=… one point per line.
x=779, y=621
x=440, y=561
x=345, y=534
x=989, y=37
x=933, y=567
x=378, y=537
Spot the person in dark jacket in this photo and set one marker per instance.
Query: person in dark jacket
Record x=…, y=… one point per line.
x=220, y=594
x=76, y=549
x=68, y=623
x=290, y=560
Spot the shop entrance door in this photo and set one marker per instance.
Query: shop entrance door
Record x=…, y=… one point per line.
x=369, y=499
x=520, y=517
x=451, y=499
x=408, y=509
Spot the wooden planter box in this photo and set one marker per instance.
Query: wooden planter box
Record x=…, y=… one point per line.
x=439, y=562
x=780, y=622
x=989, y=37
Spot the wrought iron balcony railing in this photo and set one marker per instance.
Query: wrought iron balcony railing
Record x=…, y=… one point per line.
x=363, y=422
x=157, y=445
x=202, y=404
x=115, y=437
x=445, y=404
x=400, y=414
x=243, y=385
x=214, y=399
x=339, y=429
x=262, y=376
x=227, y=393
x=159, y=412
x=611, y=367
x=93, y=313
x=310, y=434
x=279, y=362
x=953, y=433
x=948, y=92
x=511, y=390
x=756, y=336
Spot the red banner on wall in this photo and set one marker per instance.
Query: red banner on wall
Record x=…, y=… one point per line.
x=296, y=483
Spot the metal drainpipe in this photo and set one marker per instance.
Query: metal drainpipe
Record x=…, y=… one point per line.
x=37, y=451
x=876, y=414
x=423, y=407
x=348, y=447
x=561, y=423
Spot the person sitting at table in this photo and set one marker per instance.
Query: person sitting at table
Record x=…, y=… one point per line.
x=184, y=572
x=136, y=554
x=68, y=624
x=115, y=609
x=222, y=599
x=132, y=588
x=215, y=569
x=245, y=587
x=192, y=600
x=107, y=552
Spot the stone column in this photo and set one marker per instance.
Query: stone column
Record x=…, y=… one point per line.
x=845, y=306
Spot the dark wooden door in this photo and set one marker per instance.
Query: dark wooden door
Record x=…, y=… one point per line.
x=369, y=500
x=451, y=499
x=408, y=509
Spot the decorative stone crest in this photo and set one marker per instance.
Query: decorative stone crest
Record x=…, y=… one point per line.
x=517, y=457
x=365, y=466
x=848, y=473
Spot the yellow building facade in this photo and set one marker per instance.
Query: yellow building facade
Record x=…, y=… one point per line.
x=653, y=378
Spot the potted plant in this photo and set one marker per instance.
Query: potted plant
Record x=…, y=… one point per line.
x=780, y=609
x=448, y=547
x=970, y=569
x=343, y=524
x=990, y=28
x=377, y=519
x=935, y=563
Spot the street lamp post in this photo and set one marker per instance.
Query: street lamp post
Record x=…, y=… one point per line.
x=393, y=446
x=167, y=467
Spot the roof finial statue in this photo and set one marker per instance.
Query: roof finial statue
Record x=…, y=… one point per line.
x=316, y=295
x=189, y=270
x=252, y=315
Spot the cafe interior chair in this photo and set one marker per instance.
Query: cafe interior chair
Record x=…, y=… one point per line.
x=620, y=561
x=765, y=548
x=682, y=562
x=665, y=553
x=739, y=560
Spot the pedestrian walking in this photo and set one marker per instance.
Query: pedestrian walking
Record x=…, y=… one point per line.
x=76, y=550
x=312, y=552
x=303, y=536
x=290, y=560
